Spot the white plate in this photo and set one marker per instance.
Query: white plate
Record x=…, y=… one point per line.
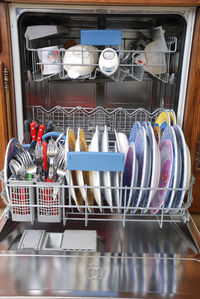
x=144, y=165
x=176, y=167
x=106, y=174
x=71, y=175
x=179, y=196
x=115, y=176
x=122, y=142
x=188, y=162
x=95, y=175
x=155, y=168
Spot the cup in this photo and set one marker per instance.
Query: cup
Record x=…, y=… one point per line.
x=108, y=61
x=51, y=59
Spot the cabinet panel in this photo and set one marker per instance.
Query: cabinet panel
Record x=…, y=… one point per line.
x=118, y=2
x=191, y=125
x=7, y=105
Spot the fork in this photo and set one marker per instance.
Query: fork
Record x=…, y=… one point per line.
x=60, y=164
x=25, y=159
x=52, y=150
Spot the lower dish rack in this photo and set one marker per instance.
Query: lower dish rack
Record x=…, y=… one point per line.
x=63, y=201
x=52, y=202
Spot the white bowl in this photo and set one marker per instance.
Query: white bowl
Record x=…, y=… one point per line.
x=80, y=60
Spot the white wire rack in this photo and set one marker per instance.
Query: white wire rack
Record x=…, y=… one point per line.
x=53, y=202
x=133, y=68
x=88, y=118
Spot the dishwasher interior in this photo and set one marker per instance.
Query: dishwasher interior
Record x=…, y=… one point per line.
x=67, y=243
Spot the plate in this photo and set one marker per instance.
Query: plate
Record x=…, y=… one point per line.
x=122, y=142
x=166, y=158
x=115, y=176
x=172, y=116
x=179, y=196
x=155, y=168
x=82, y=177
x=161, y=123
x=130, y=176
x=188, y=161
x=169, y=133
x=144, y=165
x=144, y=124
x=70, y=143
x=95, y=175
x=134, y=131
x=106, y=174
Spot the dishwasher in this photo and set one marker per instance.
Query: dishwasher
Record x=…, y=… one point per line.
x=97, y=191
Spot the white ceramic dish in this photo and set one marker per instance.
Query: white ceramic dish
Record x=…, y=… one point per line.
x=179, y=196
x=176, y=167
x=80, y=60
x=155, y=168
x=95, y=175
x=106, y=174
x=115, y=177
x=188, y=159
x=122, y=142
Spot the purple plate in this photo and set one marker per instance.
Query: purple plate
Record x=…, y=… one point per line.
x=166, y=155
x=130, y=175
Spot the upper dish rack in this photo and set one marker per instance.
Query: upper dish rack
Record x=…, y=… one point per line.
x=135, y=61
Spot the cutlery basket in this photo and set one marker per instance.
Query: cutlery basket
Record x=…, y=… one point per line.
x=49, y=201
x=22, y=198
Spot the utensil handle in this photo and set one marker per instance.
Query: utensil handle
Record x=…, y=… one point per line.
x=40, y=133
x=44, y=155
x=33, y=130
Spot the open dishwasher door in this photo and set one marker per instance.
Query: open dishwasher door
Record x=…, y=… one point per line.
x=139, y=260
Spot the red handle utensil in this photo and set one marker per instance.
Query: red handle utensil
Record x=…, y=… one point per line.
x=40, y=133
x=44, y=155
x=33, y=130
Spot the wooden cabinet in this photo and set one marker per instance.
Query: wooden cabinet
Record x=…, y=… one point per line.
x=191, y=125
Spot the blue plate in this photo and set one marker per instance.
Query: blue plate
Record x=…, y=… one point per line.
x=144, y=166
x=134, y=131
x=169, y=134
x=130, y=176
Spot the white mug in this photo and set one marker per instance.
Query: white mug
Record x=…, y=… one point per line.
x=51, y=59
x=108, y=61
